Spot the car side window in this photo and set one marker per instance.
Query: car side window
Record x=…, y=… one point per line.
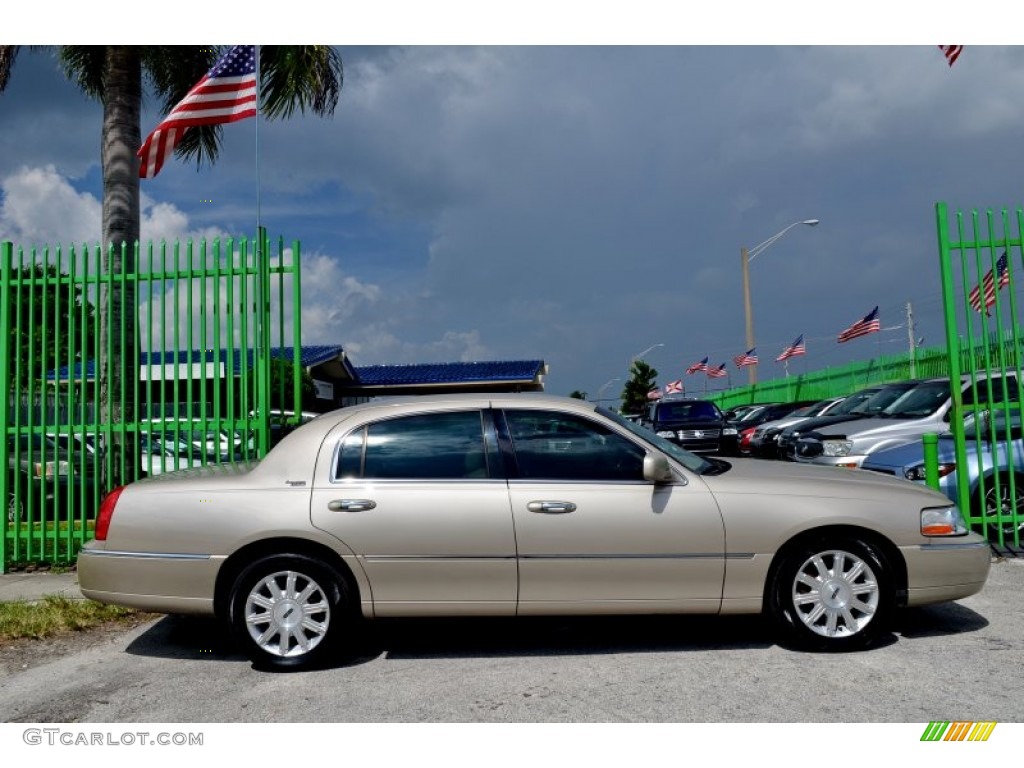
x=559, y=446
x=433, y=446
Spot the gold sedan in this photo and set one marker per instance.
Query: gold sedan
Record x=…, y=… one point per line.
x=506, y=505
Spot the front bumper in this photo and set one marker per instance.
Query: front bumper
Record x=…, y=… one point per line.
x=947, y=570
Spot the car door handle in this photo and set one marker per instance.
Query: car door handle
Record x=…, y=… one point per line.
x=351, y=505
x=551, y=507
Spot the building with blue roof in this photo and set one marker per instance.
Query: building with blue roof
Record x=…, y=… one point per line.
x=338, y=381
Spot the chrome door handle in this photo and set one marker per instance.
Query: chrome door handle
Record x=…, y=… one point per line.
x=551, y=507
x=351, y=505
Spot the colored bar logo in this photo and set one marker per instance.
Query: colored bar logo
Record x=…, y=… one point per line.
x=958, y=731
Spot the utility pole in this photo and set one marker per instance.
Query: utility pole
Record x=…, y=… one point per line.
x=913, y=341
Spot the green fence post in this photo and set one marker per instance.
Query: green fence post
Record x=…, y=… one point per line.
x=6, y=260
x=931, y=460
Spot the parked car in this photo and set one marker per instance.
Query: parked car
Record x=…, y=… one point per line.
x=42, y=475
x=994, y=467
x=519, y=505
x=696, y=425
x=925, y=408
x=860, y=405
x=763, y=443
x=752, y=419
x=161, y=452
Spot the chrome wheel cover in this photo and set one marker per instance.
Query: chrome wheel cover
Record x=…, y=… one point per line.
x=287, y=614
x=835, y=594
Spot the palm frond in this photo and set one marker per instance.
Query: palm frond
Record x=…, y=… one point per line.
x=299, y=77
x=85, y=66
x=8, y=53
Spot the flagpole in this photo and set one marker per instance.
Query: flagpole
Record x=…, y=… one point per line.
x=258, y=142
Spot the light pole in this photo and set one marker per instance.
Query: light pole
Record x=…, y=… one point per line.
x=603, y=387
x=746, y=256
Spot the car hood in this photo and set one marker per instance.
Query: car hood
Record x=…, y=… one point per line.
x=817, y=422
x=759, y=478
x=866, y=428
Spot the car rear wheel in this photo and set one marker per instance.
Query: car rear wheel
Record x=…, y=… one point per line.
x=291, y=612
x=833, y=595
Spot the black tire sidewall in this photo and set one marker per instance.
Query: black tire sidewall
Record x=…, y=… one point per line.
x=785, y=616
x=335, y=590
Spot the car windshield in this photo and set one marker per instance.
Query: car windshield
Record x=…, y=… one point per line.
x=691, y=461
x=849, y=405
x=881, y=400
x=923, y=400
x=696, y=409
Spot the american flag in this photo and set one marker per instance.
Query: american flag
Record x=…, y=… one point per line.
x=225, y=94
x=868, y=324
x=988, y=285
x=654, y=394
x=674, y=387
x=749, y=358
x=701, y=366
x=717, y=373
x=794, y=349
x=951, y=52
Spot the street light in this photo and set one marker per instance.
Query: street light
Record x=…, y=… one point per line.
x=603, y=387
x=746, y=256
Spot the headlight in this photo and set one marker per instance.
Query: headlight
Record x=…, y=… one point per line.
x=942, y=521
x=917, y=473
x=729, y=431
x=665, y=433
x=836, y=447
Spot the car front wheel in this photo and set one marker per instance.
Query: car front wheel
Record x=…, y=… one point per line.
x=291, y=612
x=832, y=595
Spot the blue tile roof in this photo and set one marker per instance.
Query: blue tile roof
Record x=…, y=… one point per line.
x=448, y=373
x=308, y=356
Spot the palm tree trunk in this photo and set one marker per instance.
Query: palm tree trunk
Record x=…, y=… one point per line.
x=122, y=101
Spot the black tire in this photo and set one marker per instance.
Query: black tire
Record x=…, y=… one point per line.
x=265, y=625
x=991, y=507
x=831, y=594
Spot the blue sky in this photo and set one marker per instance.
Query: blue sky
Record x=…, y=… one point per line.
x=577, y=202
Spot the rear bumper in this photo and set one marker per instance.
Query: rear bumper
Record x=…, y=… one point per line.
x=159, y=582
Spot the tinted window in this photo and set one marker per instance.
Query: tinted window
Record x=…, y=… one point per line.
x=692, y=410
x=558, y=446
x=1012, y=392
x=922, y=400
x=427, y=446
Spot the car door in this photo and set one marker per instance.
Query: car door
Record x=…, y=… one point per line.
x=421, y=501
x=594, y=536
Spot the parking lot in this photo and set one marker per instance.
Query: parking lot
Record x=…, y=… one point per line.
x=959, y=661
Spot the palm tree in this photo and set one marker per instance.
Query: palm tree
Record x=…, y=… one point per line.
x=291, y=78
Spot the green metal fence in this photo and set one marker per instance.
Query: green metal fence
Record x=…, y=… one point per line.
x=110, y=377
x=981, y=266
x=840, y=380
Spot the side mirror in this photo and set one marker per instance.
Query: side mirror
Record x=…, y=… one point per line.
x=657, y=470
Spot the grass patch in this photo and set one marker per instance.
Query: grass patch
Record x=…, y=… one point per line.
x=56, y=614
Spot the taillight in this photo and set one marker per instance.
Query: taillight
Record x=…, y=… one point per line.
x=106, y=512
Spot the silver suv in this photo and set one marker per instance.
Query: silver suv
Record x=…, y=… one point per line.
x=925, y=408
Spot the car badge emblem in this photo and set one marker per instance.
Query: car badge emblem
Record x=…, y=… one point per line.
x=698, y=433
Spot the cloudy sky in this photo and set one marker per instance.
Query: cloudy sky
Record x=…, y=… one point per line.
x=576, y=203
